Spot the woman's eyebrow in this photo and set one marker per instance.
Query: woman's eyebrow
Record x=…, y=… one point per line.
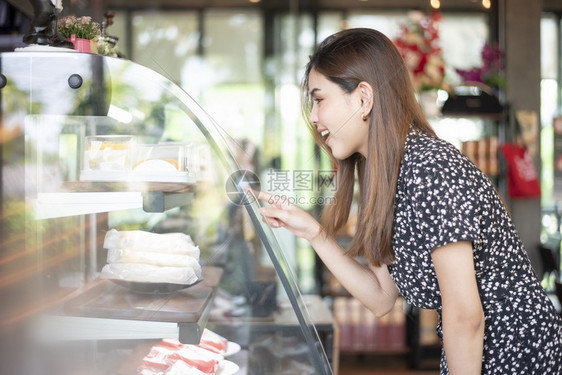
x=313, y=91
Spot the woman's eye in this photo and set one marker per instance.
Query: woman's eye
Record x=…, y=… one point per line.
x=317, y=100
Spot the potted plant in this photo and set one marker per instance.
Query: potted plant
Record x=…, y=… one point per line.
x=490, y=73
x=418, y=43
x=81, y=31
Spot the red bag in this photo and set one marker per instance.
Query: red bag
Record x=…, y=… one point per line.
x=522, y=179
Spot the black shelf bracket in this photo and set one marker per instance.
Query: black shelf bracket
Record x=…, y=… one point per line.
x=158, y=201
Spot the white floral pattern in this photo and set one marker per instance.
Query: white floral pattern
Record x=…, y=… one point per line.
x=441, y=198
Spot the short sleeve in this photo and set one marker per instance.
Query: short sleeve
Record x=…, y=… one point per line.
x=445, y=202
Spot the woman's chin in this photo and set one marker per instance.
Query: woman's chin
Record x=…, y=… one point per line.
x=340, y=155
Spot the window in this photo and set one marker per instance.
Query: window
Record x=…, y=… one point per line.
x=550, y=103
x=165, y=41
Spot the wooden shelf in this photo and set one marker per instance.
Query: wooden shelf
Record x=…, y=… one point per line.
x=107, y=310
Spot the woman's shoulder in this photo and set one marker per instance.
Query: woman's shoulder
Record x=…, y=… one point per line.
x=433, y=162
x=428, y=159
x=422, y=149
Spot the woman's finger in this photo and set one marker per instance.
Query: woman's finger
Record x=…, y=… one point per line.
x=273, y=199
x=274, y=213
x=264, y=196
x=270, y=220
x=274, y=223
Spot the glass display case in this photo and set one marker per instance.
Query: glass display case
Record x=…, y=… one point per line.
x=129, y=242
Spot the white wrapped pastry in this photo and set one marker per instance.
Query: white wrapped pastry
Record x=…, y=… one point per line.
x=151, y=257
x=137, y=240
x=148, y=273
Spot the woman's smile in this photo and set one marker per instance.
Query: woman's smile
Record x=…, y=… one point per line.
x=325, y=135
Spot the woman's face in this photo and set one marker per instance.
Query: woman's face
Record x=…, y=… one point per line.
x=337, y=116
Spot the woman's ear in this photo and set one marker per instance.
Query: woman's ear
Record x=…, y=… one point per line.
x=365, y=91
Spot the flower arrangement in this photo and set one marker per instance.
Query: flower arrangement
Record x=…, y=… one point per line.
x=108, y=49
x=490, y=73
x=418, y=43
x=82, y=27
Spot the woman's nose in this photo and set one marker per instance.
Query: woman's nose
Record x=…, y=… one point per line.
x=313, y=118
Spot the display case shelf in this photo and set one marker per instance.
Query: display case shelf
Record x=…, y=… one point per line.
x=61, y=327
x=53, y=205
x=105, y=310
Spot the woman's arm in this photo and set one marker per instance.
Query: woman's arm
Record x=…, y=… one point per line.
x=462, y=314
x=371, y=285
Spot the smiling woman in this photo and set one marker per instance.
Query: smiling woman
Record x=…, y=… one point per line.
x=430, y=223
x=361, y=114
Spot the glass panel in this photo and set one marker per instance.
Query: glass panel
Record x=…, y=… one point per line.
x=461, y=36
x=232, y=45
x=328, y=24
x=386, y=23
x=548, y=198
x=213, y=70
x=167, y=42
x=550, y=102
x=229, y=80
x=549, y=47
x=320, y=361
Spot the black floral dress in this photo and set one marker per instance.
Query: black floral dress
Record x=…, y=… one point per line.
x=443, y=198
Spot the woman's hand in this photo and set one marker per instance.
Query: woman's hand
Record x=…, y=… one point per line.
x=371, y=285
x=281, y=213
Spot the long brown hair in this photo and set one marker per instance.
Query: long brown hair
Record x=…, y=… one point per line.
x=348, y=58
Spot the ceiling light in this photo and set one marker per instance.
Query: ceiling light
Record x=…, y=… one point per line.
x=486, y=4
x=435, y=4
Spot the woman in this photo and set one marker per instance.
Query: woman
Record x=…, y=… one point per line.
x=430, y=223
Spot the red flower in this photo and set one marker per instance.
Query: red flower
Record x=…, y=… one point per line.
x=419, y=46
